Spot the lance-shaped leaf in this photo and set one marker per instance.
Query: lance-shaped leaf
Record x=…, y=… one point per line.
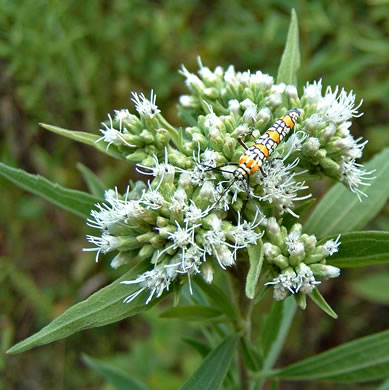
x=104, y=307
x=218, y=297
x=340, y=210
x=373, y=287
x=193, y=313
x=77, y=202
x=360, y=249
x=256, y=260
x=211, y=373
x=275, y=330
x=95, y=185
x=85, y=138
x=114, y=375
x=322, y=303
x=290, y=60
x=361, y=360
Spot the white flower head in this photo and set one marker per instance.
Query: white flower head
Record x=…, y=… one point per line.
x=115, y=210
x=331, y=246
x=192, y=81
x=234, y=106
x=284, y=282
x=145, y=107
x=112, y=136
x=312, y=92
x=162, y=170
x=104, y=244
x=202, y=171
x=305, y=280
x=339, y=108
x=215, y=244
x=122, y=114
x=194, y=214
x=294, y=244
x=152, y=199
x=156, y=281
x=280, y=186
x=354, y=176
x=244, y=233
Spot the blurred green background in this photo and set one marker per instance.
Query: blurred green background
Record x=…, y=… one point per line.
x=68, y=63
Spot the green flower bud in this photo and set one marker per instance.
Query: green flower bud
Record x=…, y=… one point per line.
x=325, y=271
x=162, y=137
x=281, y=262
x=146, y=251
x=137, y=156
x=211, y=93
x=146, y=237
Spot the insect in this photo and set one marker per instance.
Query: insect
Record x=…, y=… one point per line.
x=253, y=158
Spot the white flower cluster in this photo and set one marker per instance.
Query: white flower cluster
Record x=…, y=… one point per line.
x=192, y=214
x=332, y=143
x=297, y=259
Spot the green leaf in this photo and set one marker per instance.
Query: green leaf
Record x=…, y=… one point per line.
x=95, y=186
x=373, y=287
x=321, y=302
x=211, y=373
x=256, y=260
x=364, y=359
x=193, y=313
x=360, y=249
x=114, y=375
x=202, y=348
x=85, y=138
x=251, y=356
x=218, y=298
x=102, y=308
x=275, y=330
x=77, y=202
x=340, y=210
x=290, y=60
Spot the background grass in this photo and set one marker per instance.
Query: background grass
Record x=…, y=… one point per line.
x=69, y=63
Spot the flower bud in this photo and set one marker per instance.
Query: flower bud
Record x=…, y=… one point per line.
x=207, y=272
x=188, y=101
x=137, y=156
x=234, y=106
x=325, y=271
x=211, y=93
x=270, y=250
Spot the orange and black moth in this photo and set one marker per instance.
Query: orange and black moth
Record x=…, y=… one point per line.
x=254, y=157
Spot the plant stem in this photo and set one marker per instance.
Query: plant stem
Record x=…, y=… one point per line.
x=243, y=326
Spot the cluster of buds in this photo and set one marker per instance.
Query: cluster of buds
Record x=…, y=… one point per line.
x=297, y=261
x=191, y=218
x=136, y=137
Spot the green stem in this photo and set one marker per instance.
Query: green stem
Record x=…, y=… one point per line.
x=173, y=132
x=243, y=325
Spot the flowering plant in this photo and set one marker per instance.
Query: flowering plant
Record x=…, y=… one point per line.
x=195, y=227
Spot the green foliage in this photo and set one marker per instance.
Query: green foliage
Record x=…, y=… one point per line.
x=360, y=360
x=256, y=260
x=211, y=373
x=83, y=60
x=340, y=210
x=101, y=308
x=321, y=302
x=290, y=60
x=193, y=313
x=77, y=202
x=119, y=379
x=361, y=249
x=373, y=287
x=85, y=138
